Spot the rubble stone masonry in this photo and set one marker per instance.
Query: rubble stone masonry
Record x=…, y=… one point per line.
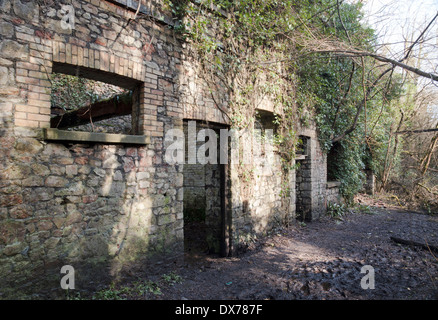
x=106, y=207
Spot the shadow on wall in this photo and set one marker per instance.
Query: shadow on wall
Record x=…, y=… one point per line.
x=261, y=206
x=105, y=210
x=202, y=198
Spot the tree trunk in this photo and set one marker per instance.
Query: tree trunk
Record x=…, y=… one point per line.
x=117, y=106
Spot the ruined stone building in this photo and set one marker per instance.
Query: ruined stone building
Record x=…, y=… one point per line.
x=102, y=202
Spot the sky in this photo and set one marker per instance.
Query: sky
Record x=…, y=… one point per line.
x=398, y=20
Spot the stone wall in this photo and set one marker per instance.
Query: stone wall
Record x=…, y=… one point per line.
x=198, y=97
x=333, y=195
x=370, y=182
x=262, y=196
x=107, y=207
x=303, y=188
x=99, y=207
x=259, y=202
x=311, y=178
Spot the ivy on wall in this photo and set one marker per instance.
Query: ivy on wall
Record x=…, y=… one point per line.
x=266, y=49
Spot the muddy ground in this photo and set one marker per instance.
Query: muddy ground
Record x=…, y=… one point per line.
x=321, y=260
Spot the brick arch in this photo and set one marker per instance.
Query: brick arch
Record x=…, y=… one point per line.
x=103, y=66
x=55, y=56
x=99, y=65
x=102, y=44
x=70, y=54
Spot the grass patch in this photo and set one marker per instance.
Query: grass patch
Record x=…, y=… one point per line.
x=365, y=209
x=336, y=210
x=135, y=290
x=172, y=278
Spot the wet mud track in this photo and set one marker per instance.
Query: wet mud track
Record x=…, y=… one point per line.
x=323, y=260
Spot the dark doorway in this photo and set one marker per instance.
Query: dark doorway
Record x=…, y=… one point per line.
x=206, y=214
x=303, y=185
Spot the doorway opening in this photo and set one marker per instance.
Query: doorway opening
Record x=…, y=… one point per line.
x=206, y=214
x=303, y=185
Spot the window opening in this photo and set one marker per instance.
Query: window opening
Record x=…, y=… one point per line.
x=91, y=101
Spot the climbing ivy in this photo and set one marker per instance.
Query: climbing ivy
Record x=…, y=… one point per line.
x=266, y=48
x=72, y=92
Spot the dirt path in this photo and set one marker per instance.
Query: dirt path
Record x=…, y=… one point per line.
x=323, y=260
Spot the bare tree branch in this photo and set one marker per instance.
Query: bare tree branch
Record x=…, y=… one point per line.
x=395, y=63
x=416, y=131
x=408, y=52
x=360, y=106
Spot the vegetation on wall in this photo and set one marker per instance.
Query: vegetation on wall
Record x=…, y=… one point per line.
x=318, y=63
x=261, y=48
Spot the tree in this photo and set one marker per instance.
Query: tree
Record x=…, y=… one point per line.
x=316, y=59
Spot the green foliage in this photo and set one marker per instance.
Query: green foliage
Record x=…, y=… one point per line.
x=340, y=94
x=336, y=210
x=71, y=92
x=132, y=290
x=136, y=289
x=254, y=48
x=112, y=293
x=172, y=278
x=144, y=287
x=73, y=295
x=365, y=209
x=347, y=167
